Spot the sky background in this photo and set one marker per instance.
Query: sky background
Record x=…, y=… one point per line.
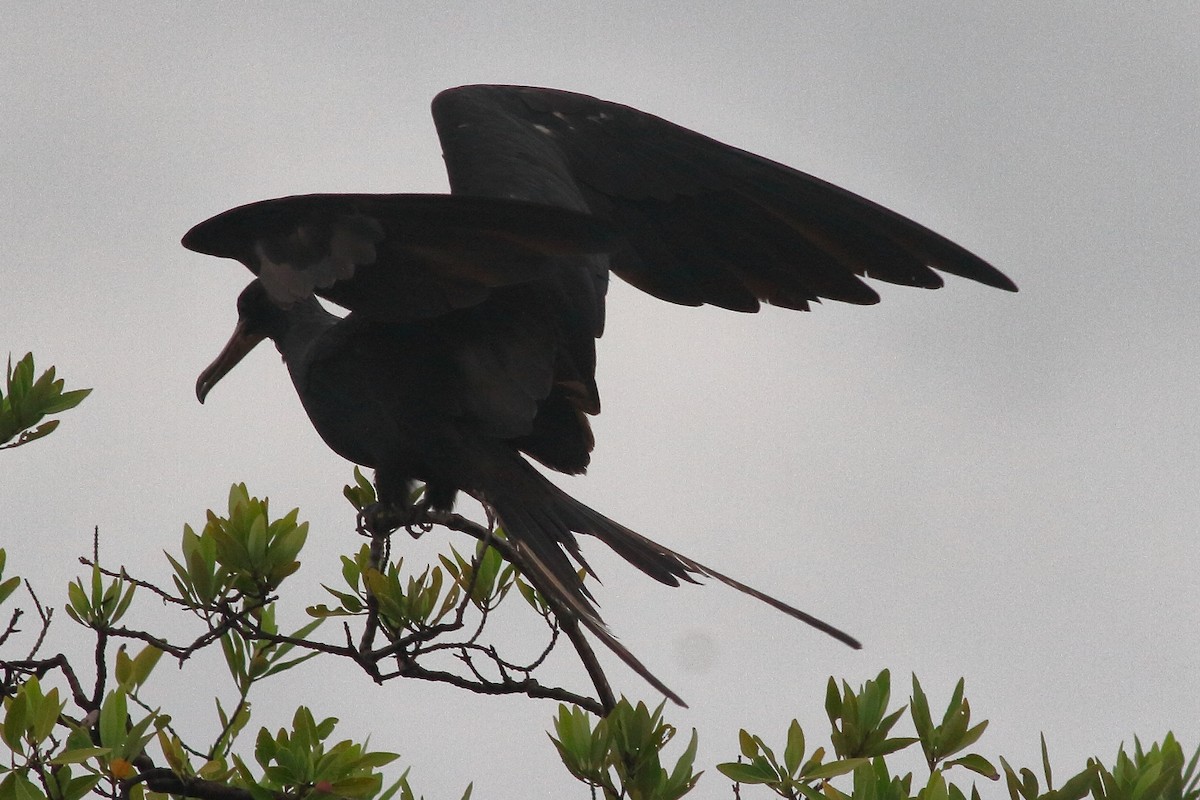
x=1002, y=487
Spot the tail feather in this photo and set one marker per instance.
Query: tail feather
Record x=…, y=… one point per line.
x=541, y=522
x=547, y=582
x=537, y=535
x=623, y=540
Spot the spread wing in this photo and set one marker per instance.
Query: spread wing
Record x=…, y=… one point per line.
x=398, y=257
x=700, y=221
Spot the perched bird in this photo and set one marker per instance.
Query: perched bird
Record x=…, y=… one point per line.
x=474, y=315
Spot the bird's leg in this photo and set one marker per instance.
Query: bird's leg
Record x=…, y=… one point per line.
x=382, y=519
x=422, y=501
x=401, y=504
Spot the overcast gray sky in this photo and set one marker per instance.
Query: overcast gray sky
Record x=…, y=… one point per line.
x=979, y=484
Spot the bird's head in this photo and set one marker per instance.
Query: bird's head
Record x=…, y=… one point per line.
x=258, y=318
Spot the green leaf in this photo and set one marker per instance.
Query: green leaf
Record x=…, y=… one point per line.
x=1010, y=778
x=530, y=594
x=833, y=701
x=1147, y=782
x=15, y=717
x=16, y=786
x=956, y=701
x=123, y=668
x=283, y=666
x=359, y=787
x=793, y=754
x=113, y=721
x=80, y=787
x=970, y=737
x=376, y=759
x=97, y=597
x=748, y=745
x=682, y=778
x=45, y=716
x=1079, y=786
x=77, y=755
x=976, y=763
x=78, y=600
x=835, y=768
x=1046, y=763
x=66, y=401
x=747, y=773
x=256, y=542
x=919, y=707
x=137, y=736
x=144, y=663
x=889, y=746
x=887, y=723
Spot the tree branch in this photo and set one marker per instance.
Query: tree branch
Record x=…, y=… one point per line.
x=161, y=779
x=567, y=621
x=529, y=686
x=12, y=626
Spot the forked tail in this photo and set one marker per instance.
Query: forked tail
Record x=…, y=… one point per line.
x=540, y=521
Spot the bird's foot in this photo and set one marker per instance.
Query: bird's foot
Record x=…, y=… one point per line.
x=384, y=519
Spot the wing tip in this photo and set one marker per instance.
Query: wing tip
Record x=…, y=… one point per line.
x=988, y=275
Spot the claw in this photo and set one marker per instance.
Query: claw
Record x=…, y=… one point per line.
x=383, y=519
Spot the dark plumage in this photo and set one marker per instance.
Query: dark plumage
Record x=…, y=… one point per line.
x=473, y=316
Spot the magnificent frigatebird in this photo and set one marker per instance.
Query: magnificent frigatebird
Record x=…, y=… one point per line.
x=473, y=316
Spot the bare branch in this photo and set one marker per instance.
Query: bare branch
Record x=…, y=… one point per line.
x=44, y=614
x=380, y=549
x=165, y=596
x=12, y=626
x=101, y=667
x=528, y=687
x=40, y=667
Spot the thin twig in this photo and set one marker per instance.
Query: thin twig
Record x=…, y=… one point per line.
x=379, y=554
x=167, y=726
x=44, y=614
x=567, y=620
x=12, y=626
x=529, y=687
x=122, y=575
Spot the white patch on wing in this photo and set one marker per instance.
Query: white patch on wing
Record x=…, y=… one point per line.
x=347, y=249
x=284, y=283
x=544, y=129
x=291, y=268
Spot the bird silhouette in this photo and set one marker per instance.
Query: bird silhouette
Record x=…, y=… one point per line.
x=470, y=340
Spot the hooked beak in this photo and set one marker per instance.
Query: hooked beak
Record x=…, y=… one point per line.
x=241, y=343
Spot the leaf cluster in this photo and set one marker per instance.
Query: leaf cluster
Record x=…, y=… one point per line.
x=861, y=736
x=300, y=758
x=244, y=555
x=38, y=763
x=104, y=605
x=621, y=754
x=1161, y=773
x=25, y=402
x=65, y=742
x=227, y=575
